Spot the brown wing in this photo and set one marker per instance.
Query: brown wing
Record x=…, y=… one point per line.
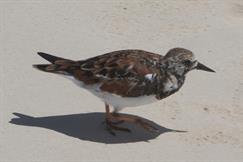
x=126, y=73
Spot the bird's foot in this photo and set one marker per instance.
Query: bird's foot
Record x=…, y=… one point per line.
x=136, y=120
x=111, y=126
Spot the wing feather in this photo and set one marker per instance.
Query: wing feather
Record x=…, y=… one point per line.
x=124, y=73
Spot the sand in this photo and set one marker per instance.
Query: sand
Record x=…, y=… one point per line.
x=54, y=120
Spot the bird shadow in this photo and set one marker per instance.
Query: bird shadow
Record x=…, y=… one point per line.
x=90, y=127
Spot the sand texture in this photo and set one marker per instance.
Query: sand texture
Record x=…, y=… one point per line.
x=45, y=117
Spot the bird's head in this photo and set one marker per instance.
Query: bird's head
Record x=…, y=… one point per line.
x=180, y=61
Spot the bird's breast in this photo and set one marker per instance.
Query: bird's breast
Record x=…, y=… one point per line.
x=170, y=84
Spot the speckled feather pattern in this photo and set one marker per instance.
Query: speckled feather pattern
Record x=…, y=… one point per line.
x=127, y=77
x=128, y=73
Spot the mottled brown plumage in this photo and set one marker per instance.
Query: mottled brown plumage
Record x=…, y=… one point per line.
x=121, y=72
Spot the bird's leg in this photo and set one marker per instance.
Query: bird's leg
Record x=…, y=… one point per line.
x=109, y=114
x=110, y=124
x=117, y=121
x=136, y=120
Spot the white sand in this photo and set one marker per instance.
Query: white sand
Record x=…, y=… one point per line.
x=209, y=106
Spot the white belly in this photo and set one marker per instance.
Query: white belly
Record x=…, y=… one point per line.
x=114, y=100
x=119, y=102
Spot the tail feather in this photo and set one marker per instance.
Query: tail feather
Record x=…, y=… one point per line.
x=59, y=65
x=49, y=57
x=46, y=67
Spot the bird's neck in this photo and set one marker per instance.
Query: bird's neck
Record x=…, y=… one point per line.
x=171, y=84
x=179, y=79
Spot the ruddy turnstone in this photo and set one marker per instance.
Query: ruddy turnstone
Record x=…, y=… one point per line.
x=127, y=78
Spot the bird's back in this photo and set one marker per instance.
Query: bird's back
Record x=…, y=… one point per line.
x=128, y=73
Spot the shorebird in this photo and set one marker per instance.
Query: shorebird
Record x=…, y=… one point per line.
x=127, y=78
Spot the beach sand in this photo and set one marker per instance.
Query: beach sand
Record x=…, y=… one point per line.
x=45, y=117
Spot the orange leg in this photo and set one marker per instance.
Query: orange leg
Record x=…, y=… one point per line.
x=111, y=125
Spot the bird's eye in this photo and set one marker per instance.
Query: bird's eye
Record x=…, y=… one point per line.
x=187, y=62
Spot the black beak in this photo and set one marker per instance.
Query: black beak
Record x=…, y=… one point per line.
x=203, y=67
